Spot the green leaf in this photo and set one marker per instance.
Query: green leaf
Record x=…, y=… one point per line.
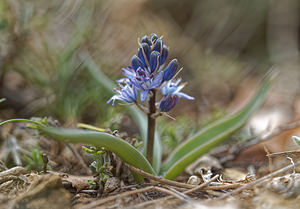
x=114, y=144
x=120, y=147
x=212, y=135
x=138, y=116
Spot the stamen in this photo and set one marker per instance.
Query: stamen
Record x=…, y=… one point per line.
x=157, y=64
x=177, y=73
x=161, y=47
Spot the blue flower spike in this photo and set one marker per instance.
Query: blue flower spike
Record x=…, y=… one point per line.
x=147, y=74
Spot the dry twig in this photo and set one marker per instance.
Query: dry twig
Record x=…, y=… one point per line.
x=159, y=179
x=113, y=198
x=259, y=181
x=179, y=184
x=199, y=187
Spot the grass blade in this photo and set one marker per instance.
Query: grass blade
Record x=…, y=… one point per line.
x=210, y=136
x=138, y=116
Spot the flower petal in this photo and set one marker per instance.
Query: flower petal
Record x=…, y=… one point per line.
x=158, y=46
x=153, y=37
x=144, y=53
x=146, y=40
x=157, y=80
x=164, y=55
x=154, y=61
x=168, y=103
x=185, y=96
x=136, y=63
x=144, y=95
x=170, y=70
x=128, y=72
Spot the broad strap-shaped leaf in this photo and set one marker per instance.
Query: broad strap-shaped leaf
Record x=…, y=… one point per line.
x=138, y=116
x=120, y=147
x=210, y=136
x=123, y=149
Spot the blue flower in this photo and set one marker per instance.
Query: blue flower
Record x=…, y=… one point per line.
x=143, y=80
x=171, y=92
x=127, y=93
x=168, y=103
x=172, y=88
x=170, y=70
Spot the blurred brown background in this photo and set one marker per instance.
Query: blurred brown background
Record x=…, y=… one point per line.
x=220, y=43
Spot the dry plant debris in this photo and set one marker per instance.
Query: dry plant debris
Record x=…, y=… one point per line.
x=204, y=188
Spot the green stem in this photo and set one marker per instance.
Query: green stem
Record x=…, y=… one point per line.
x=151, y=127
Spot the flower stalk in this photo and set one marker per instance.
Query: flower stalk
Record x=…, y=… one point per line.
x=151, y=126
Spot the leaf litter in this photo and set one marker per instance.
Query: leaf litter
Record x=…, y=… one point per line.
x=201, y=186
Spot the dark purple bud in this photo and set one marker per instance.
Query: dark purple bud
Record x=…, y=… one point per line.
x=170, y=70
x=154, y=61
x=144, y=53
x=153, y=37
x=164, y=55
x=158, y=46
x=168, y=103
x=136, y=63
x=146, y=40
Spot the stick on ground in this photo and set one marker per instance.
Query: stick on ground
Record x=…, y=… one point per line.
x=259, y=181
